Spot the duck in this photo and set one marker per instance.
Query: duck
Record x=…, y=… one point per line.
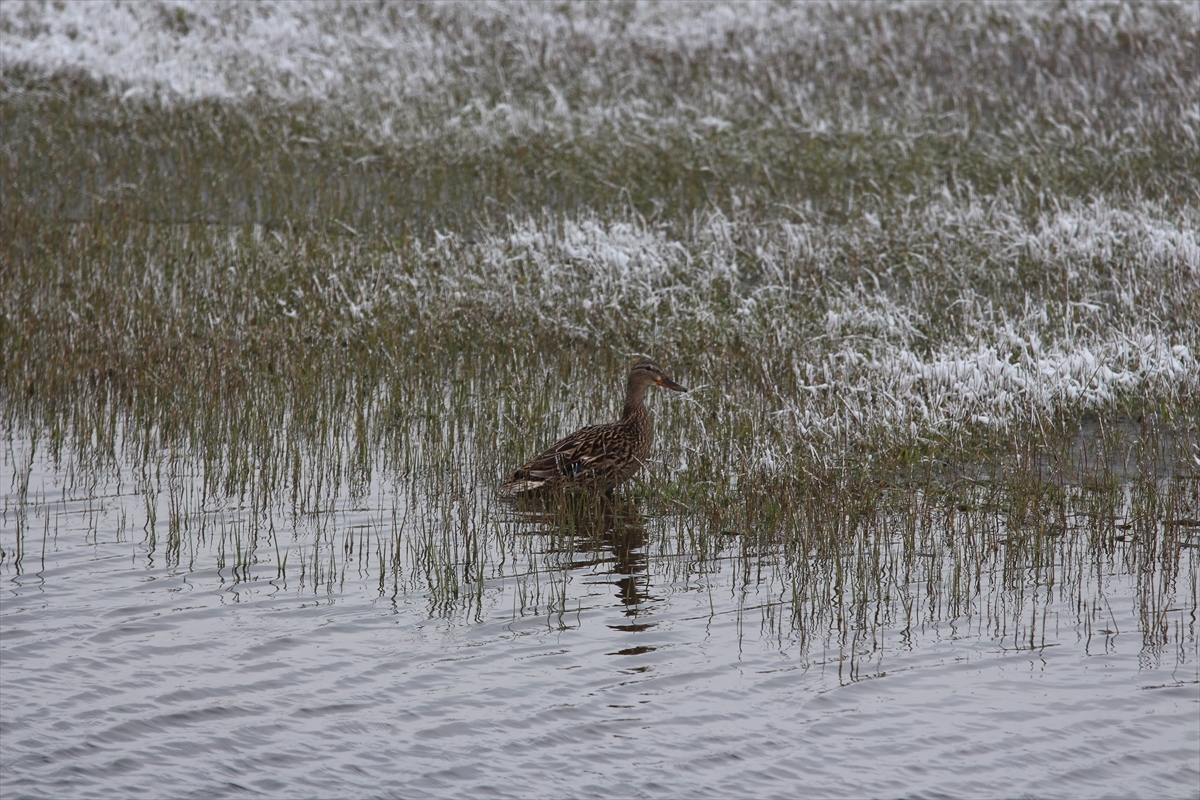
x=598, y=458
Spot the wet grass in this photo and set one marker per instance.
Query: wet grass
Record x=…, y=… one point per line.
x=938, y=310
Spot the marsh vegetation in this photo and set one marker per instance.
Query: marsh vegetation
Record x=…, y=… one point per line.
x=285, y=305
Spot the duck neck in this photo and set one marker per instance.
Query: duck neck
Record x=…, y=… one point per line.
x=635, y=405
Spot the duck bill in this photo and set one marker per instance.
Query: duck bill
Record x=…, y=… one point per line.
x=667, y=383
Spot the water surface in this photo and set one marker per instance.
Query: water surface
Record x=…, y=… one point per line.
x=605, y=661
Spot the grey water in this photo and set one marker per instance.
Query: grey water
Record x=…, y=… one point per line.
x=607, y=661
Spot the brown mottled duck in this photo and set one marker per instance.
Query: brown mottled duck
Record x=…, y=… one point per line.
x=598, y=458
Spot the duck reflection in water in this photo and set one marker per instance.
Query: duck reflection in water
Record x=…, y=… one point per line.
x=598, y=533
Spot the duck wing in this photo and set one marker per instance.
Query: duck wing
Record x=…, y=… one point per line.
x=568, y=457
x=590, y=454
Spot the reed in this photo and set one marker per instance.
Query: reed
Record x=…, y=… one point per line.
x=938, y=306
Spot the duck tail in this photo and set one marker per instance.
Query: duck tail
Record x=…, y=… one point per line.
x=518, y=486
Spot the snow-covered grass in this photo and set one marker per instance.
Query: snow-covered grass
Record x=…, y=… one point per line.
x=513, y=68
x=970, y=317
x=309, y=241
x=452, y=115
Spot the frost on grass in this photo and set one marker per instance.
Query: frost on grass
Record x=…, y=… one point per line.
x=905, y=314
x=1021, y=321
x=492, y=70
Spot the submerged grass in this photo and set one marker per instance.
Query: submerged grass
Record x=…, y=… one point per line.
x=938, y=305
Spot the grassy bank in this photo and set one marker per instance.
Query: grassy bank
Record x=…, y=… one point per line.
x=927, y=269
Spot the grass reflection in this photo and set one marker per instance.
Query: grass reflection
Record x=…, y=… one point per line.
x=937, y=312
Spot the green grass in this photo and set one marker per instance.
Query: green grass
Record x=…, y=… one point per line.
x=939, y=301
